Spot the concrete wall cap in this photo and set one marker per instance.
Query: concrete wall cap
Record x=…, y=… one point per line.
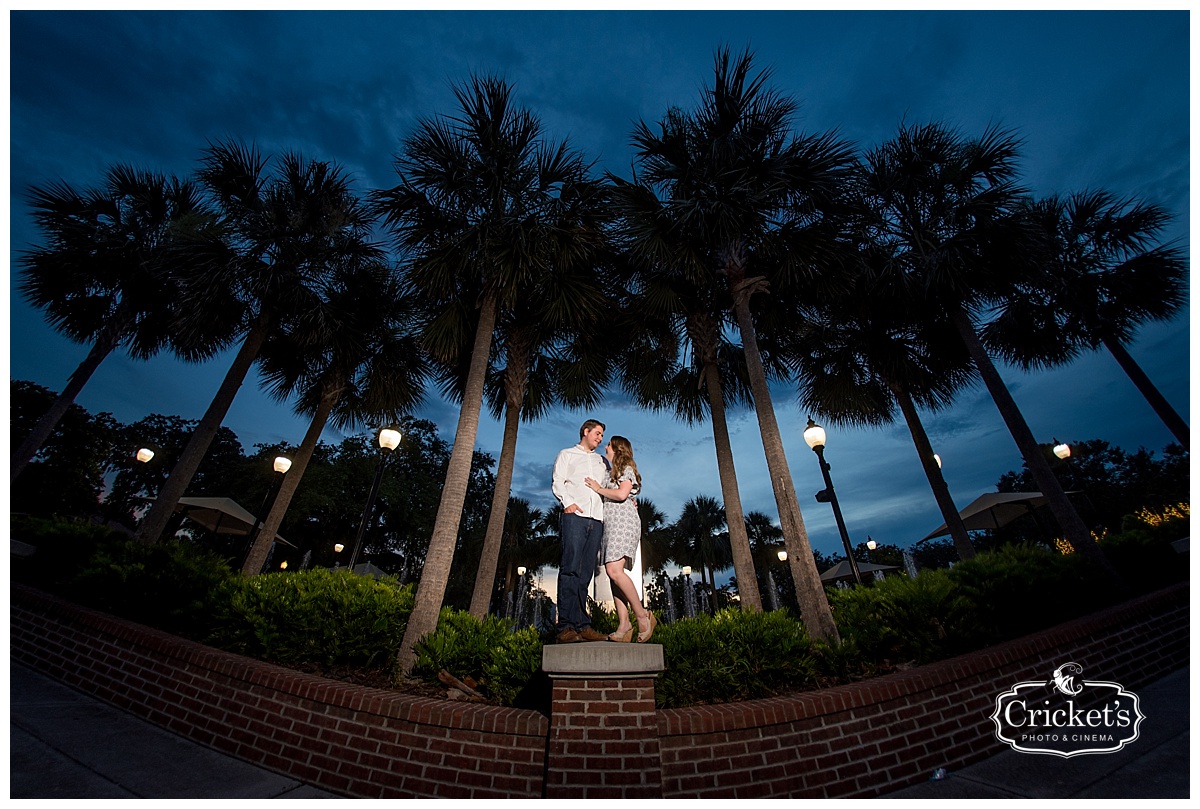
x=603, y=659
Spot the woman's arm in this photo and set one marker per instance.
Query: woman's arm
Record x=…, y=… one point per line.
x=619, y=494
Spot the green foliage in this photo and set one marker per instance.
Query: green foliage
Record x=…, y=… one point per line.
x=1018, y=589
x=514, y=674
x=313, y=616
x=1144, y=555
x=505, y=663
x=902, y=619
x=603, y=620
x=733, y=655
x=66, y=476
x=462, y=644
x=169, y=585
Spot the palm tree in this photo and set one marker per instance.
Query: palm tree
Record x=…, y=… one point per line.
x=527, y=541
x=663, y=318
x=536, y=375
x=656, y=538
x=353, y=359
x=766, y=540
x=100, y=276
x=281, y=236
x=1099, y=279
x=747, y=197
x=872, y=347
x=943, y=207
x=702, y=539
x=484, y=205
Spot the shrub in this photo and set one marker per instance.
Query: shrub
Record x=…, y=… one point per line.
x=603, y=620
x=733, y=655
x=313, y=616
x=903, y=619
x=1018, y=589
x=514, y=675
x=461, y=644
x=168, y=585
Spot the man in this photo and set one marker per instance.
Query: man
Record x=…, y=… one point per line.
x=581, y=530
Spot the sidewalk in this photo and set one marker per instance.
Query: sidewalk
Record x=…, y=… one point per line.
x=1153, y=766
x=65, y=744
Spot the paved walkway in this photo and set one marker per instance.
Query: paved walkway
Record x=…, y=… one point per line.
x=65, y=744
x=1153, y=766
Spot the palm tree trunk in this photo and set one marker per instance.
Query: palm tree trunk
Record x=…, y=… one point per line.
x=291, y=480
x=743, y=561
x=152, y=526
x=485, y=578
x=1162, y=407
x=106, y=341
x=810, y=593
x=1064, y=512
x=941, y=492
x=434, y=576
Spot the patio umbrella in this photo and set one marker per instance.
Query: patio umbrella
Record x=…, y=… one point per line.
x=221, y=515
x=994, y=510
x=842, y=570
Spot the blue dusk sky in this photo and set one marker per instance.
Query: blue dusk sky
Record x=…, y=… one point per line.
x=1101, y=99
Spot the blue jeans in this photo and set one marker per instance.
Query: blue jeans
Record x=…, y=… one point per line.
x=580, y=550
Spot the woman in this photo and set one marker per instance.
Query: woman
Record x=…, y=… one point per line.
x=622, y=532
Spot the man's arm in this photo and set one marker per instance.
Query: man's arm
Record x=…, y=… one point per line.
x=558, y=482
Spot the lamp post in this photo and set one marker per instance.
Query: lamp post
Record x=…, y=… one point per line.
x=281, y=465
x=689, y=594
x=814, y=436
x=772, y=587
x=871, y=546
x=389, y=439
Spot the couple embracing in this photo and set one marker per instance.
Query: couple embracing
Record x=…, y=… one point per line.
x=599, y=516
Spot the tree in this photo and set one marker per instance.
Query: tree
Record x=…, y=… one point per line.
x=1108, y=483
x=552, y=348
x=66, y=476
x=766, y=542
x=943, y=208
x=1098, y=279
x=748, y=196
x=663, y=313
x=873, y=346
x=702, y=540
x=137, y=483
x=484, y=203
x=100, y=275
x=656, y=536
x=279, y=237
x=352, y=359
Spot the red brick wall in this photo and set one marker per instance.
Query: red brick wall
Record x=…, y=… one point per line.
x=603, y=739
x=877, y=736
x=349, y=739
x=856, y=740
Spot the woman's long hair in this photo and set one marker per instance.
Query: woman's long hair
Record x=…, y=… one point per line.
x=623, y=457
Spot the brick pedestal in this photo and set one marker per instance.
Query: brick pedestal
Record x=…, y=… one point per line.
x=603, y=729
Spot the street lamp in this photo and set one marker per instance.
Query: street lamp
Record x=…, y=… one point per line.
x=814, y=436
x=782, y=556
x=281, y=465
x=1061, y=451
x=389, y=439
x=145, y=454
x=871, y=546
